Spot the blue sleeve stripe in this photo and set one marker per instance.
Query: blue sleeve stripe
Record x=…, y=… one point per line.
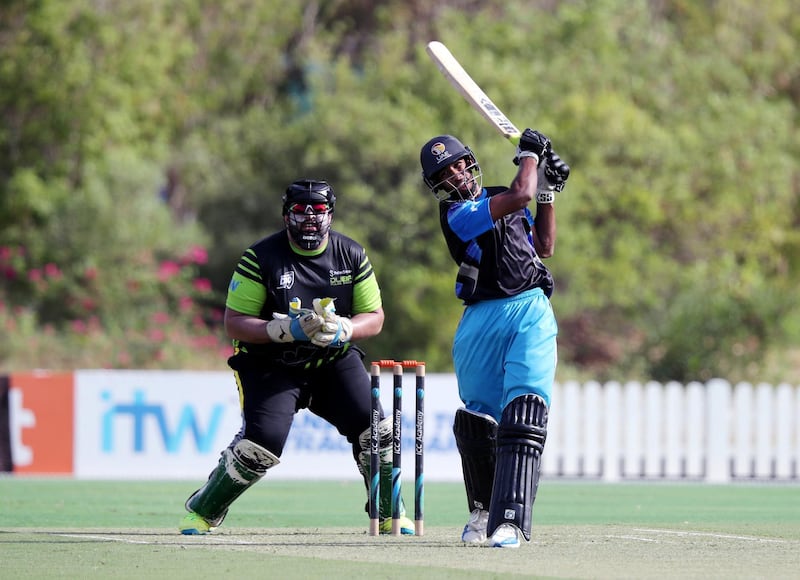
x=470, y=219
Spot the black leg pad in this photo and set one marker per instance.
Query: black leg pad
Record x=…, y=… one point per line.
x=520, y=442
x=476, y=439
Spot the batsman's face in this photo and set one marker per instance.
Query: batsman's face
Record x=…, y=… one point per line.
x=458, y=177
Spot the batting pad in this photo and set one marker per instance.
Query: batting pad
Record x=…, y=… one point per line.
x=520, y=442
x=476, y=439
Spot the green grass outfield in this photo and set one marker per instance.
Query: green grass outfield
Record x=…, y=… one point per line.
x=58, y=528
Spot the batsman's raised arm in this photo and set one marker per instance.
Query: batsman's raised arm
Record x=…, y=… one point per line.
x=531, y=151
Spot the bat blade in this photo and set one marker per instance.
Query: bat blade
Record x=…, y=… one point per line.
x=452, y=70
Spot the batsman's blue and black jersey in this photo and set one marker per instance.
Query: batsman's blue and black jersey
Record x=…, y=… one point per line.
x=495, y=259
x=271, y=273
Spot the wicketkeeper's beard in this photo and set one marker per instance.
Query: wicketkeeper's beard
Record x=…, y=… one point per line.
x=308, y=231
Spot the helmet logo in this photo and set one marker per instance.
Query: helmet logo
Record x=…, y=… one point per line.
x=440, y=152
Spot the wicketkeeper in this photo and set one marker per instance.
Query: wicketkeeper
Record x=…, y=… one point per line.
x=296, y=302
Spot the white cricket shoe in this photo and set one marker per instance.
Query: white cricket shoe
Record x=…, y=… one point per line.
x=505, y=536
x=475, y=530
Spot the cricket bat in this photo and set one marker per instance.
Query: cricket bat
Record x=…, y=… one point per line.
x=469, y=89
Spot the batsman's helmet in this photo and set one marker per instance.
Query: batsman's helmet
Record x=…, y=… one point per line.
x=441, y=152
x=307, y=209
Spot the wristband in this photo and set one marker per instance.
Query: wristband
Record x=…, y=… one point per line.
x=545, y=196
x=522, y=154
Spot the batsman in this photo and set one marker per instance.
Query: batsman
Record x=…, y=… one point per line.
x=504, y=350
x=297, y=301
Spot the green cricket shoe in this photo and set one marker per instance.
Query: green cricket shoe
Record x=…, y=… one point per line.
x=406, y=526
x=193, y=524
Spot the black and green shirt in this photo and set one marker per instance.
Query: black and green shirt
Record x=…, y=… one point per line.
x=270, y=273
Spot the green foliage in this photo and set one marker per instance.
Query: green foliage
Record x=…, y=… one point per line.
x=678, y=244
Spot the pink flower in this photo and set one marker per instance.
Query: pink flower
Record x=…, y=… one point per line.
x=35, y=275
x=52, y=271
x=156, y=335
x=167, y=270
x=5, y=253
x=79, y=327
x=90, y=273
x=202, y=285
x=196, y=255
x=185, y=303
x=160, y=317
x=201, y=342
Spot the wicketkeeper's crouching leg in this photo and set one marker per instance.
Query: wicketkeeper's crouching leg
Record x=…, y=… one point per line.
x=520, y=441
x=240, y=466
x=385, y=500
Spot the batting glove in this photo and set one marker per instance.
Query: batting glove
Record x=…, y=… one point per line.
x=532, y=144
x=552, y=176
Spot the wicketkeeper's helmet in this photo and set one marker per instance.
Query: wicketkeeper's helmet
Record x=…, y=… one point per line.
x=307, y=209
x=308, y=191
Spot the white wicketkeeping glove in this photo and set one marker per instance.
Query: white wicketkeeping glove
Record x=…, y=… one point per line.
x=299, y=325
x=336, y=330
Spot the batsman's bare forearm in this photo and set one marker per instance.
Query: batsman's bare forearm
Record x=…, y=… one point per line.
x=519, y=194
x=544, y=230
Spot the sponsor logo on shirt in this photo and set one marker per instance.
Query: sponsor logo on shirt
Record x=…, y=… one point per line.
x=341, y=277
x=286, y=280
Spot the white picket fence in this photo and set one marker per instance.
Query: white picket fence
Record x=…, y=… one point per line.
x=713, y=432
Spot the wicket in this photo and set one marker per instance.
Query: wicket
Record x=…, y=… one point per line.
x=398, y=368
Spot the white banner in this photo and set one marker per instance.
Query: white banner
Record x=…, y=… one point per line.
x=174, y=424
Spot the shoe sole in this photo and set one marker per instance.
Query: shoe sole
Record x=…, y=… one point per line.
x=403, y=531
x=194, y=532
x=511, y=545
